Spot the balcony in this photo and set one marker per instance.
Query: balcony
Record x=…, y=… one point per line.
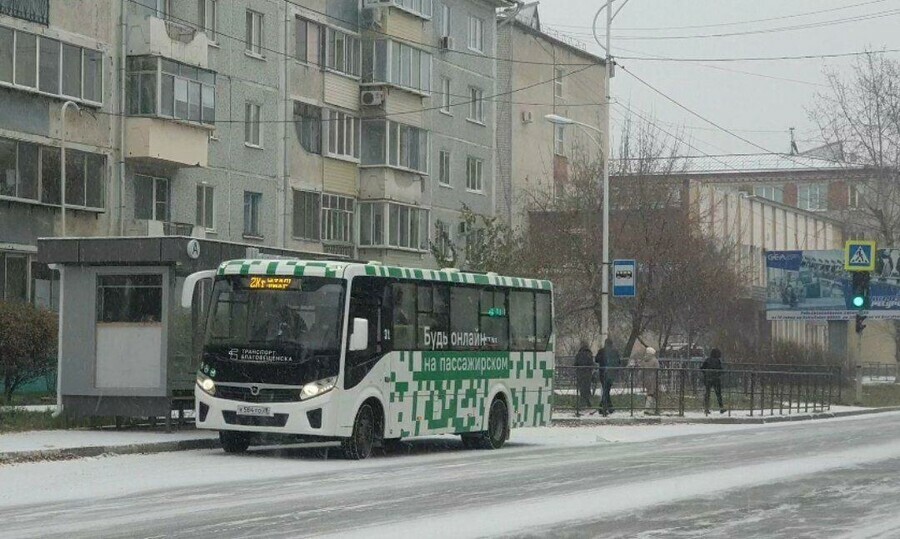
x=153, y=36
x=151, y=228
x=165, y=142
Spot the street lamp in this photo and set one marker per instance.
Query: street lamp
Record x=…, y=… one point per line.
x=62, y=137
x=556, y=119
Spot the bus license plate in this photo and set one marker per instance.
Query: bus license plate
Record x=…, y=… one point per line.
x=259, y=411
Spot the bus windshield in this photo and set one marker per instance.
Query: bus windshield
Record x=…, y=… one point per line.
x=300, y=316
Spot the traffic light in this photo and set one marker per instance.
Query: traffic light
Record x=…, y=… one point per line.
x=859, y=323
x=859, y=291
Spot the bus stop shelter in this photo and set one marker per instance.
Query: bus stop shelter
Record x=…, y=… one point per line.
x=127, y=348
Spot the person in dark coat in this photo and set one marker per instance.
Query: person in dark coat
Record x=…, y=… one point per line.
x=584, y=366
x=712, y=378
x=609, y=361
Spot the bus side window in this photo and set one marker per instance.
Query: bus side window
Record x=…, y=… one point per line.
x=544, y=318
x=521, y=320
x=404, y=306
x=433, y=316
x=494, y=320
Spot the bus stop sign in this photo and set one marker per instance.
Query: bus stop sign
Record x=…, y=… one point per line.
x=624, y=278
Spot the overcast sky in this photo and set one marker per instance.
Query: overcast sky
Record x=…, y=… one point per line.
x=757, y=108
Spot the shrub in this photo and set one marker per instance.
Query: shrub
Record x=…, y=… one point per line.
x=27, y=345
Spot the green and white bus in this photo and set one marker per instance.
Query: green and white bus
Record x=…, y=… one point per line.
x=367, y=354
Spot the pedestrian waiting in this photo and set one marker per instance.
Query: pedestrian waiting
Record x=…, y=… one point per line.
x=584, y=367
x=650, y=374
x=712, y=378
x=609, y=361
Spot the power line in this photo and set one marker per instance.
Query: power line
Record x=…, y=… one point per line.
x=737, y=23
x=757, y=58
x=698, y=115
x=792, y=28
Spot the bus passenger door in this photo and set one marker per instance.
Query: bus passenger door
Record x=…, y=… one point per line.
x=368, y=368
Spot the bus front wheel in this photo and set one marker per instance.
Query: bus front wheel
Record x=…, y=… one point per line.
x=359, y=445
x=234, y=442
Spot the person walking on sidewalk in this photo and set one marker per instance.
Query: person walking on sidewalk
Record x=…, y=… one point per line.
x=650, y=375
x=608, y=362
x=712, y=378
x=584, y=367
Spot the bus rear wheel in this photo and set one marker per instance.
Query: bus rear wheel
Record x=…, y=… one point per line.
x=234, y=442
x=359, y=445
x=497, y=429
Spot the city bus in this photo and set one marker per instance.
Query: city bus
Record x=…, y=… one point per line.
x=368, y=354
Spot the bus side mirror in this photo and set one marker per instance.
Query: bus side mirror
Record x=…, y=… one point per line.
x=359, y=339
x=190, y=282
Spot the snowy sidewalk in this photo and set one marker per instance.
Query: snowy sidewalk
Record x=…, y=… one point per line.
x=63, y=444
x=568, y=417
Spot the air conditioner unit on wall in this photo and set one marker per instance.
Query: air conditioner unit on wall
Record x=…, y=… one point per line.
x=371, y=98
x=527, y=116
x=447, y=43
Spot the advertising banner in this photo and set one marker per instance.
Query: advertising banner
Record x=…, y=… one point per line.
x=813, y=285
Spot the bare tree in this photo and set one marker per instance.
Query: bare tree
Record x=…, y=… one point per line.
x=859, y=116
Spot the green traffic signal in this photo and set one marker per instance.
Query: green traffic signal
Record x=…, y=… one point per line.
x=859, y=290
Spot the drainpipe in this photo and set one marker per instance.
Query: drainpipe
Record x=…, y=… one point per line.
x=59, y=352
x=62, y=136
x=288, y=113
x=122, y=54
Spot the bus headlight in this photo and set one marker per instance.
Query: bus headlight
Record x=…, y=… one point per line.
x=314, y=389
x=206, y=383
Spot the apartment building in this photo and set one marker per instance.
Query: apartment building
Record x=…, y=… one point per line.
x=52, y=53
x=539, y=73
x=345, y=127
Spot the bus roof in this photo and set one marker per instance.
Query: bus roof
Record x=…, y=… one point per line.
x=339, y=269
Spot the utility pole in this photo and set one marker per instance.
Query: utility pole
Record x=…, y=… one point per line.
x=610, y=73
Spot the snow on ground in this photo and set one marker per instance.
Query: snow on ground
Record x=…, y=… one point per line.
x=105, y=477
x=45, y=440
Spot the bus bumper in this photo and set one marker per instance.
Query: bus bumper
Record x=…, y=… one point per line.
x=312, y=417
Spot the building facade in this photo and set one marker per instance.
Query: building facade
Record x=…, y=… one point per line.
x=347, y=127
x=539, y=74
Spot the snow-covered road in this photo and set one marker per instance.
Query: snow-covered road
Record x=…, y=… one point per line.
x=812, y=479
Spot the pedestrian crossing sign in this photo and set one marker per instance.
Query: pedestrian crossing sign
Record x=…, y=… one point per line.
x=859, y=255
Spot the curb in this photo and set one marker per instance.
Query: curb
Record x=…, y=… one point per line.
x=70, y=453
x=675, y=420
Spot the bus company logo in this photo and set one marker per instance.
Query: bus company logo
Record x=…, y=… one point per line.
x=258, y=356
x=233, y=354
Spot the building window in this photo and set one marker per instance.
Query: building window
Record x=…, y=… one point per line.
x=476, y=34
x=254, y=37
x=474, y=171
x=251, y=125
x=397, y=64
x=28, y=10
x=813, y=197
x=476, y=105
x=206, y=207
x=443, y=241
x=134, y=299
x=337, y=218
x=343, y=135
x=307, y=41
x=151, y=198
x=342, y=52
x=48, y=65
x=23, y=164
x=308, y=121
x=444, y=168
x=209, y=18
x=13, y=277
x=420, y=8
x=306, y=215
x=407, y=226
x=168, y=89
x=559, y=139
x=388, y=143
x=558, y=82
x=445, y=20
x=774, y=193
x=445, y=95
x=252, y=204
